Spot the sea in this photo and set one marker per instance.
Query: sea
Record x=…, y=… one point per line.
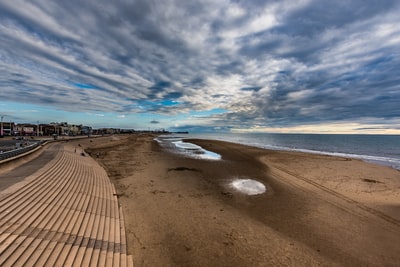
x=380, y=149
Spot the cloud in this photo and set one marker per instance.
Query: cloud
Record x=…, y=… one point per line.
x=267, y=63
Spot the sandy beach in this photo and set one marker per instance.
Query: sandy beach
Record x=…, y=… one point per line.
x=317, y=210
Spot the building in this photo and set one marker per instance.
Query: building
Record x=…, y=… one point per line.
x=7, y=128
x=43, y=129
x=86, y=130
x=25, y=129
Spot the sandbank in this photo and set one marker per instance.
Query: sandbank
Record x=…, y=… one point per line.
x=316, y=209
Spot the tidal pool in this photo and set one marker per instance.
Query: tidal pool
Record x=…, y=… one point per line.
x=248, y=186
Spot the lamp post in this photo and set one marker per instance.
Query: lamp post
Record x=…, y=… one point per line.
x=1, y=130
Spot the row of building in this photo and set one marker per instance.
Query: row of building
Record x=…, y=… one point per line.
x=43, y=129
x=61, y=129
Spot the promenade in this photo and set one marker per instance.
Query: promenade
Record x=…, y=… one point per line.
x=65, y=213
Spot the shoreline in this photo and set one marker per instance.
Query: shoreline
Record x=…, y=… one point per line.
x=370, y=156
x=317, y=209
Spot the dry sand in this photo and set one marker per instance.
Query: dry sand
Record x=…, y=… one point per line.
x=317, y=210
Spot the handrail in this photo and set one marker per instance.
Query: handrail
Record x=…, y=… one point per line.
x=19, y=151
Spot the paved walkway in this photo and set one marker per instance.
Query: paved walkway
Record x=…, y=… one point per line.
x=65, y=214
x=31, y=166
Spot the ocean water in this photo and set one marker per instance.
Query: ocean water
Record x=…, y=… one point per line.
x=381, y=149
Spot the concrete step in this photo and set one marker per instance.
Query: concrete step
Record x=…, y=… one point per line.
x=66, y=216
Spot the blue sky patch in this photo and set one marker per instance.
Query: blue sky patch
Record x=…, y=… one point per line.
x=84, y=86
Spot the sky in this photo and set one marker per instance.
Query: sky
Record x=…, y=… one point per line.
x=311, y=66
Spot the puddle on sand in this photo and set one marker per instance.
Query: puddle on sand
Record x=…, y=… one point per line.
x=248, y=186
x=195, y=151
x=175, y=144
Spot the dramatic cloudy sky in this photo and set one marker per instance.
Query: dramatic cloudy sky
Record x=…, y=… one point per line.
x=280, y=66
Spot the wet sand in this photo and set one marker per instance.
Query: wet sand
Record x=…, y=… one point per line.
x=317, y=210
